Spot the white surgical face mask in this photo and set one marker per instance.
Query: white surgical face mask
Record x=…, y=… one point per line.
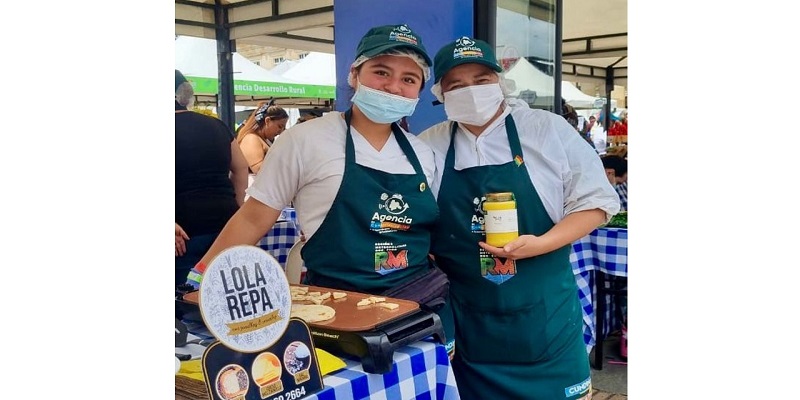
x=473, y=105
x=382, y=107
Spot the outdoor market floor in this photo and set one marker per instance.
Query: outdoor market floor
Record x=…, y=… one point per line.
x=610, y=383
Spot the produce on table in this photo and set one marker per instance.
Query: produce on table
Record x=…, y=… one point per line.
x=620, y=220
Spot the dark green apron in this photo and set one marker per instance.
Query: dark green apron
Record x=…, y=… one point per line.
x=377, y=233
x=517, y=325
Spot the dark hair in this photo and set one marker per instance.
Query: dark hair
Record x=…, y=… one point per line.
x=307, y=115
x=617, y=163
x=270, y=111
x=569, y=113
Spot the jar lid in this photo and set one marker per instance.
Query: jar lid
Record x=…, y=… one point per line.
x=501, y=196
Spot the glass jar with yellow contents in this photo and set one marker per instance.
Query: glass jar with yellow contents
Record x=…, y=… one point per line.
x=500, y=218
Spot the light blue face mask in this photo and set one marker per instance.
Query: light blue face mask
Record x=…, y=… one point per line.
x=382, y=107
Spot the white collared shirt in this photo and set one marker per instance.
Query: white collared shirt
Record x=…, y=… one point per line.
x=566, y=171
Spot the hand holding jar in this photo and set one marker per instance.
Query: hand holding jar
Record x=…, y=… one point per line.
x=524, y=246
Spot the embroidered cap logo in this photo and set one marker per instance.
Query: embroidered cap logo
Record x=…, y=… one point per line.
x=403, y=34
x=465, y=41
x=466, y=48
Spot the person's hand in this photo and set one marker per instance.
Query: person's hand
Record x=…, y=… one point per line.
x=180, y=240
x=525, y=246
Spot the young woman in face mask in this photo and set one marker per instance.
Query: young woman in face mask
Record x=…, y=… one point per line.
x=518, y=322
x=359, y=183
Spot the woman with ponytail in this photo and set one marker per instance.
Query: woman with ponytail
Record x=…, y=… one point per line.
x=259, y=132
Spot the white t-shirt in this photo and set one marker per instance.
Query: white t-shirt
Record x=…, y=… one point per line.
x=567, y=172
x=306, y=165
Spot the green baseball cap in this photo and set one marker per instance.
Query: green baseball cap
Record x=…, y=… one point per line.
x=462, y=51
x=380, y=39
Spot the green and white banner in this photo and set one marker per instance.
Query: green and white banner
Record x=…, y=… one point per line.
x=265, y=89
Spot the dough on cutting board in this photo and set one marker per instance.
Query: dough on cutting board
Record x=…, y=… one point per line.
x=312, y=312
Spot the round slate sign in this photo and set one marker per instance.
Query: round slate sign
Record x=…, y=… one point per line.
x=245, y=299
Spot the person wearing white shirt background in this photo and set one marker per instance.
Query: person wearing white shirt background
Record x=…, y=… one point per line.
x=359, y=183
x=517, y=330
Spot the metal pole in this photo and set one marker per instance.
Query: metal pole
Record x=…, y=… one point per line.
x=485, y=21
x=557, y=57
x=225, y=97
x=609, y=89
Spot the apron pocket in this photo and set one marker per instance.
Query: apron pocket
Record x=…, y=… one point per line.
x=508, y=336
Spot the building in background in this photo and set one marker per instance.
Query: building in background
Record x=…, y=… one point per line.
x=269, y=57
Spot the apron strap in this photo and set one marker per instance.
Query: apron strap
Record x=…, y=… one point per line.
x=516, y=148
x=350, y=149
x=407, y=149
x=450, y=160
x=513, y=138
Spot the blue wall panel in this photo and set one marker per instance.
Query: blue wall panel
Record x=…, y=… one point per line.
x=436, y=21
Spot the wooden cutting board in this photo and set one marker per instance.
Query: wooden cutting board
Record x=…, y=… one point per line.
x=353, y=318
x=349, y=316
x=192, y=297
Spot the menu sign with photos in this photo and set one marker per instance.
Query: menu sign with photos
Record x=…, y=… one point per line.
x=245, y=300
x=287, y=370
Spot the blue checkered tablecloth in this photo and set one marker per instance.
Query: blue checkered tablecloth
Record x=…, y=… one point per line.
x=421, y=371
x=606, y=250
x=283, y=235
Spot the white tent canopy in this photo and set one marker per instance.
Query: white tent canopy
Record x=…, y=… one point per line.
x=529, y=80
x=315, y=68
x=574, y=97
x=284, y=66
x=528, y=77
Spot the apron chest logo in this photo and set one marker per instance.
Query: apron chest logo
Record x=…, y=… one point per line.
x=389, y=216
x=392, y=218
x=390, y=258
x=477, y=221
x=395, y=204
x=495, y=269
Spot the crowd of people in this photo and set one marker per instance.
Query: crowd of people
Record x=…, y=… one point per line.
x=618, y=132
x=338, y=170
x=615, y=157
